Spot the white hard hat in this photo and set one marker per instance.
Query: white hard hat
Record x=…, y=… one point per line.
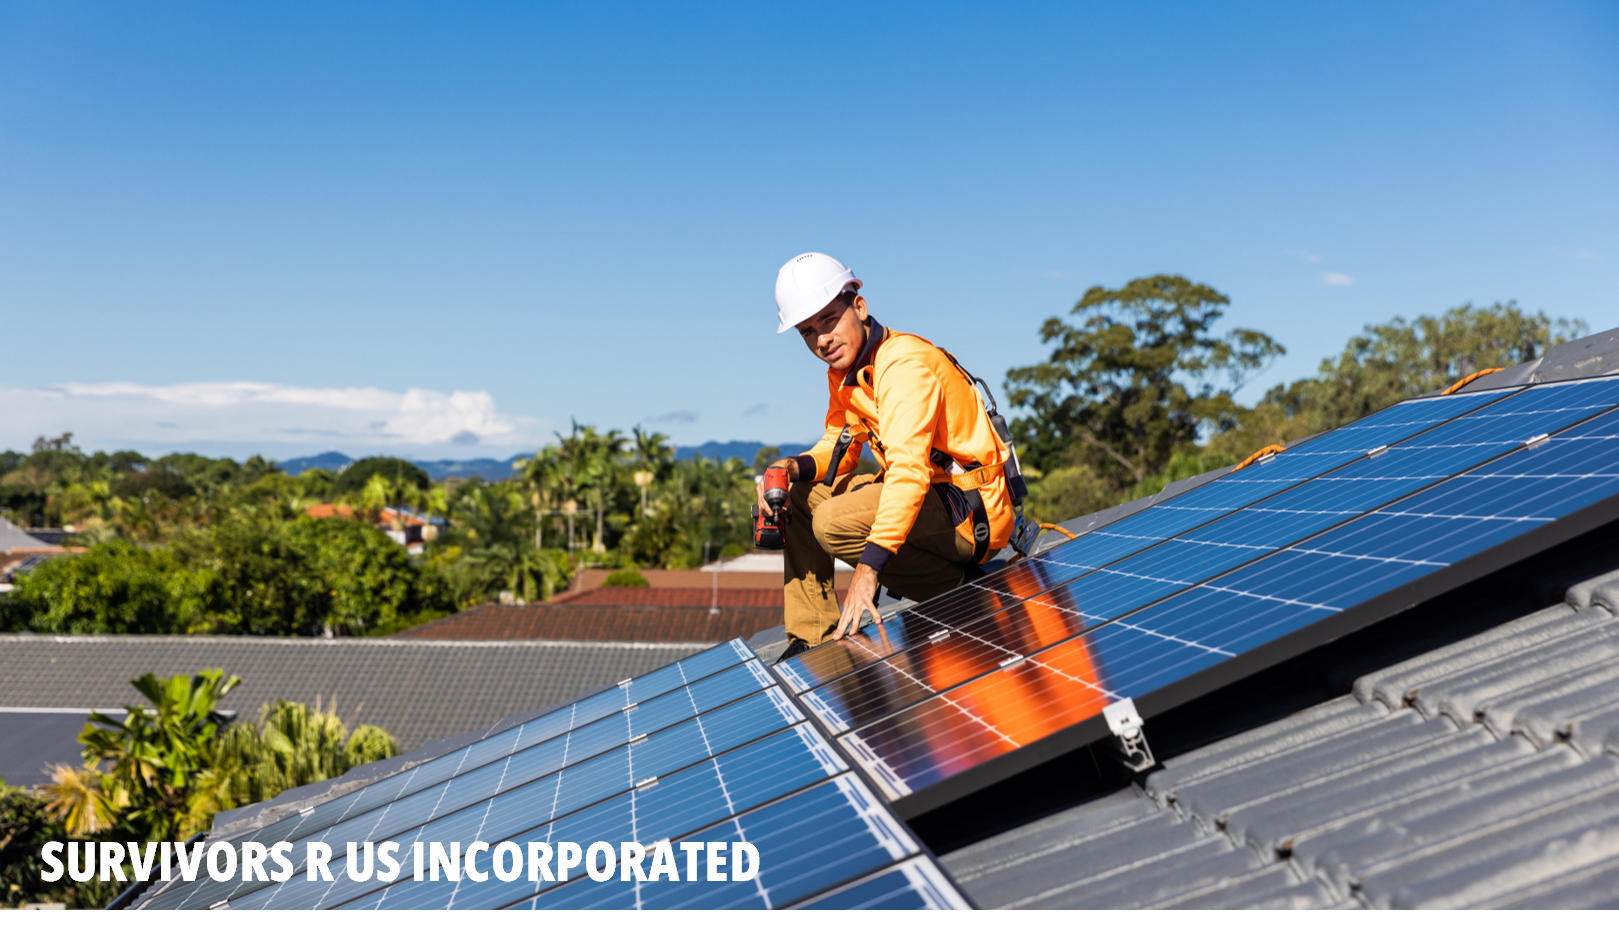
x=805, y=285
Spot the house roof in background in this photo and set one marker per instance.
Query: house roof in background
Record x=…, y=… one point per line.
x=417, y=690
x=592, y=622
x=12, y=537
x=672, y=596
x=1484, y=773
x=34, y=740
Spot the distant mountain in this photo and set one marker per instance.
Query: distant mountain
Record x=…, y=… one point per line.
x=487, y=468
x=742, y=450
x=491, y=470
x=331, y=461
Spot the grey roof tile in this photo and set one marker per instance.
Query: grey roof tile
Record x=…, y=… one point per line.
x=1275, y=824
x=1602, y=590
x=1596, y=887
x=1550, y=710
x=1273, y=887
x=1478, y=807
x=1207, y=862
x=1537, y=843
x=417, y=690
x=1054, y=834
x=1478, y=774
x=1396, y=685
x=1466, y=696
x=1301, y=767
x=1259, y=745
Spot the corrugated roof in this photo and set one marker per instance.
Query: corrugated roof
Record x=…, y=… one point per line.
x=1484, y=773
x=587, y=622
x=417, y=690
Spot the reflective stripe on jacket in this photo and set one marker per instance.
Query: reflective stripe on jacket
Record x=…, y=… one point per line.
x=903, y=397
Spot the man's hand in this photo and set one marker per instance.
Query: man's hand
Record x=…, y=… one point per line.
x=861, y=597
x=791, y=464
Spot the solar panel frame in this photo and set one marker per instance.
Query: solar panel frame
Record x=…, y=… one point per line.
x=909, y=803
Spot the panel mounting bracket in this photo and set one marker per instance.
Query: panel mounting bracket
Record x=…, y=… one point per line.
x=1129, y=741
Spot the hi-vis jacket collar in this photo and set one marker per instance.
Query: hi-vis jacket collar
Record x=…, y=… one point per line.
x=874, y=337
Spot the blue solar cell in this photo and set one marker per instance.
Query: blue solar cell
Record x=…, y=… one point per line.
x=1132, y=534
x=807, y=843
x=877, y=690
x=1280, y=593
x=497, y=776
x=910, y=885
x=542, y=801
x=673, y=807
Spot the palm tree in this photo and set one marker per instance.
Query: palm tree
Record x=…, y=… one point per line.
x=592, y=460
x=153, y=755
x=652, y=455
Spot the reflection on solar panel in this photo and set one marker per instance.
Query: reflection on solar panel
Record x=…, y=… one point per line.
x=1209, y=602
x=980, y=646
x=968, y=605
x=649, y=760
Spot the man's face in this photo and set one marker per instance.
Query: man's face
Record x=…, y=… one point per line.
x=837, y=333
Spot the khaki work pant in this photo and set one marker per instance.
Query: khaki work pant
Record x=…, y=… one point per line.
x=828, y=522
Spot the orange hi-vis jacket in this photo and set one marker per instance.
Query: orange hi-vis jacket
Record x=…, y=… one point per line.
x=904, y=397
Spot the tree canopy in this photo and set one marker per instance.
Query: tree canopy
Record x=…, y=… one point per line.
x=1134, y=380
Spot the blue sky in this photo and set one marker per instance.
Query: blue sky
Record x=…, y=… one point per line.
x=446, y=229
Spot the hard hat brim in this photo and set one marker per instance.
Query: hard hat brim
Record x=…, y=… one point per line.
x=853, y=283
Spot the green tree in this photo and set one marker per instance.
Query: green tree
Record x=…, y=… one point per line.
x=25, y=826
x=354, y=477
x=152, y=759
x=1392, y=361
x=115, y=587
x=291, y=746
x=1135, y=380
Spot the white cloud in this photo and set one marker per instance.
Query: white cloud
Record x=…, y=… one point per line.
x=247, y=415
x=1311, y=257
x=674, y=416
x=1334, y=279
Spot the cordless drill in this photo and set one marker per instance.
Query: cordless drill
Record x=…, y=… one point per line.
x=770, y=531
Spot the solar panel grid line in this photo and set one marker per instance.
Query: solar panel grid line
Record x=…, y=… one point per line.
x=818, y=844
x=825, y=765
x=943, y=612
x=843, y=693
x=297, y=894
x=754, y=673
x=1233, y=665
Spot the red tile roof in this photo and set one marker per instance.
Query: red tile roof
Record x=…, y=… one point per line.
x=672, y=596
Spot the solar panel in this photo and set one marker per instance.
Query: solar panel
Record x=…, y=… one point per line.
x=808, y=842
x=987, y=643
x=1376, y=528
x=573, y=765
x=1132, y=534
x=917, y=884
x=675, y=806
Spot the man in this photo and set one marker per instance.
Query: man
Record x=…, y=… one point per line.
x=941, y=501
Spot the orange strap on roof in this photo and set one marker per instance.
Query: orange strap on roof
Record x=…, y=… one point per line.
x=1056, y=528
x=1267, y=450
x=1467, y=380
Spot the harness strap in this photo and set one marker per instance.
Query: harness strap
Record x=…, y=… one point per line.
x=980, y=525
